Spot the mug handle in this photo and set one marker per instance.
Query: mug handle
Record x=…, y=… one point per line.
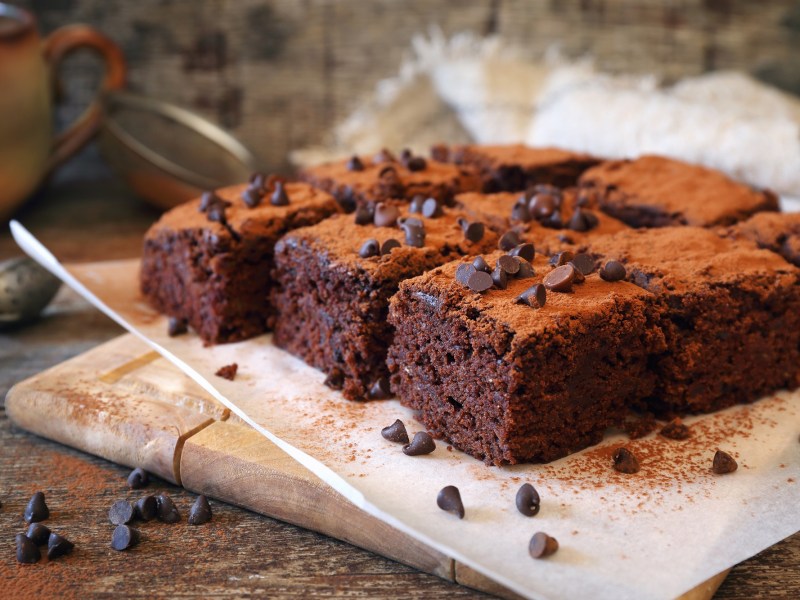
x=59, y=45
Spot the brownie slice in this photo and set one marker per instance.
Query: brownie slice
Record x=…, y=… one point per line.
x=210, y=268
x=333, y=282
x=731, y=314
x=778, y=232
x=654, y=191
x=517, y=167
x=510, y=383
x=553, y=220
x=364, y=181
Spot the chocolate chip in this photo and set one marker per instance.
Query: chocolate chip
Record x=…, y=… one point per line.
x=625, y=461
x=440, y=153
x=528, y=502
x=253, y=195
x=473, y=232
x=167, y=511
x=386, y=215
x=257, y=179
x=480, y=281
x=58, y=546
x=27, y=552
x=146, y=508
x=509, y=264
x=520, y=211
x=380, y=390
x=500, y=278
x=449, y=499
x=542, y=205
x=561, y=258
x=38, y=533
x=138, y=479
x=553, y=221
x=675, y=430
x=613, y=270
x=364, y=215
x=578, y=222
x=535, y=296
x=415, y=235
x=416, y=204
x=279, y=196
x=590, y=219
x=542, y=545
x=396, y=432
x=480, y=264
x=335, y=379
x=560, y=279
x=525, y=269
x=176, y=326
x=405, y=154
x=509, y=240
x=355, y=164
x=228, y=371
x=124, y=537
x=583, y=263
x=421, y=444
x=200, y=512
x=208, y=199
x=579, y=277
x=383, y=156
x=389, y=245
x=120, y=512
x=216, y=212
x=463, y=273
x=36, y=510
x=346, y=198
x=416, y=163
x=431, y=208
x=388, y=172
x=369, y=248
x=723, y=463
x=526, y=251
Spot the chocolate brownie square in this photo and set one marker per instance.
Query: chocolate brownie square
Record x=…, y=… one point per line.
x=778, y=232
x=654, y=191
x=731, y=314
x=552, y=219
x=364, y=181
x=207, y=262
x=516, y=167
x=511, y=382
x=333, y=282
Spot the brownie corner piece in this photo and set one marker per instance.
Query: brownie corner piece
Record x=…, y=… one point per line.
x=207, y=262
x=508, y=382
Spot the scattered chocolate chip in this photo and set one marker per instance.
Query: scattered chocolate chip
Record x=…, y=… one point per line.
x=473, y=232
x=27, y=552
x=216, y=212
x=500, y=278
x=580, y=221
x=38, y=533
x=560, y=279
x=36, y=510
x=520, y=211
x=421, y=444
x=389, y=245
x=416, y=204
x=355, y=164
x=579, y=277
x=347, y=199
x=463, y=273
x=613, y=270
x=396, y=432
x=561, y=258
x=525, y=269
x=431, y=208
x=228, y=371
x=369, y=248
x=583, y=263
x=480, y=281
x=380, y=390
x=542, y=545
x=723, y=463
x=200, y=512
x=415, y=235
x=590, y=219
x=138, y=479
x=364, y=215
x=176, y=326
x=58, y=546
x=449, y=499
x=526, y=251
x=509, y=264
x=253, y=195
x=416, y=163
x=335, y=379
x=124, y=537
x=120, y=512
x=625, y=461
x=675, y=430
x=542, y=205
x=509, y=240
x=480, y=264
x=535, y=296
x=528, y=502
x=385, y=215
x=553, y=221
x=146, y=508
x=383, y=156
x=279, y=196
x=167, y=511
x=208, y=199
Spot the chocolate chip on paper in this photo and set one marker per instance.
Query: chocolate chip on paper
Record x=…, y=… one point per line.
x=542, y=545
x=396, y=432
x=527, y=500
x=625, y=461
x=723, y=463
x=421, y=444
x=449, y=499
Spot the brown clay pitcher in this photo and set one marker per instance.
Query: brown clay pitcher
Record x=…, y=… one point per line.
x=29, y=149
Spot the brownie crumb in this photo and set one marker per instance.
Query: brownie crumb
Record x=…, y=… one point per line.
x=228, y=371
x=638, y=428
x=723, y=463
x=675, y=430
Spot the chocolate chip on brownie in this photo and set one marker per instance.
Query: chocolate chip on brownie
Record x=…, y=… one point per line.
x=526, y=270
x=431, y=208
x=36, y=509
x=279, y=196
x=583, y=263
x=520, y=212
x=542, y=205
x=723, y=463
x=389, y=245
x=396, y=432
x=625, y=461
x=561, y=258
x=500, y=278
x=613, y=270
x=415, y=234
x=480, y=281
x=355, y=164
x=480, y=264
x=421, y=444
x=416, y=204
x=253, y=195
x=509, y=264
x=473, y=232
x=542, y=545
x=380, y=389
x=416, y=163
x=364, y=215
x=463, y=273
x=535, y=296
x=560, y=279
x=509, y=240
x=385, y=214
x=369, y=248
x=527, y=500
x=449, y=499
x=525, y=250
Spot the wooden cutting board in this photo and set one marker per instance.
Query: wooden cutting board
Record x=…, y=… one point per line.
x=124, y=402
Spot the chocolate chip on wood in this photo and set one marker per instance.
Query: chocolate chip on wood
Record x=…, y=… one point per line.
x=449, y=499
x=200, y=512
x=124, y=537
x=120, y=512
x=138, y=479
x=58, y=545
x=167, y=511
x=27, y=552
x=36, y=510
x=146, y=508
x=38, y=533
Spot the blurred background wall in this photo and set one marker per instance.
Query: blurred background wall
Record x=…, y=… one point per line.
x=280, y=73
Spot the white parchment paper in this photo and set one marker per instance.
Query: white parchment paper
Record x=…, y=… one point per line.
x=655, y=534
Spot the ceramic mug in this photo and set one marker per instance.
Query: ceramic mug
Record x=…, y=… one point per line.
x=29, y=149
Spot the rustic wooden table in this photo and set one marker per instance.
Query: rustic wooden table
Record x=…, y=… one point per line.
x=239, y=553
